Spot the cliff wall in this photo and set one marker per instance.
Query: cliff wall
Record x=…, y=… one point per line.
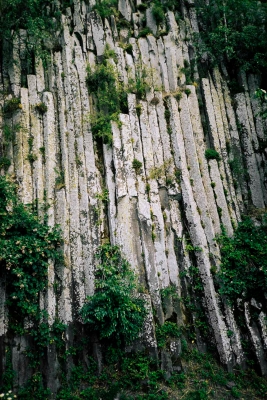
x=164, y=214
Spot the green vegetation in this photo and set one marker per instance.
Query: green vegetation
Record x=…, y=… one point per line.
x=12, y=105
x=212, y=154
x=144, y=32
x=103, y=196
x=137, y=376
x=110, y=99
x=189, y=79
x=169, y=330
x=40, y=18
x=60, y=178
x=137, y=165
x=187, y=91
x=41, y=108
x=158, y=12
x=141, y=84
x=234, y=31
x=27, y=246
x=178, y=96
x=106, y=8
x=110, y=95
x=160, y=171
x=138, y=109
x=9, y=132
x=5, y=163
x=262, y=96
x=142, y=7
x=243, y=272
x=116, y=311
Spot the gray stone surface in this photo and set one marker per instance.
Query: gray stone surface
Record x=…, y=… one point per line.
x=176, y=196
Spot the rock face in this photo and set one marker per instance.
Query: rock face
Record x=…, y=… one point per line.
x=164, y=216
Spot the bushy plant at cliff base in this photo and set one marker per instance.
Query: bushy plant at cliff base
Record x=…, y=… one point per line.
x=116, y=311
x=138, y=376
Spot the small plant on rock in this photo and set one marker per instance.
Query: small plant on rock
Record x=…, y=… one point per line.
x=41, y=108
x=212, y=154
x=137, y=165
x=12, y=105
x=144, y=32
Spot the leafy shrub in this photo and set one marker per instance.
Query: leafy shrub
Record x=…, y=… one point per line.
x=241, y=41
x=34, y=389
x=140, y=84
x=243, y=272
x=31, y=157
x=142, y=7
x=178, y=96
x=144, y=32
x=212, y=154
x=5, y=163
x=104, y=83
x=41, y=108
x=37, y=17
x=187, y=91
x=137, y=165
x=115, y=311
x=128, y=48
x=138, y=109
x=106, y=8
x=166, y=331
x=158, y=12
x=188, y=73
x=262, y=96
x=12, y=105
x=10, y=131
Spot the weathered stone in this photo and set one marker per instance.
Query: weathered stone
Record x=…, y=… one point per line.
x=150, y=213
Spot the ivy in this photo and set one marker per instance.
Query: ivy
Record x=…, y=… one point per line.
x=243, y=272
x=116, y=311
x=27, y=246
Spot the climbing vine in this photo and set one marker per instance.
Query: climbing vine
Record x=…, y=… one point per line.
x=27, y=246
